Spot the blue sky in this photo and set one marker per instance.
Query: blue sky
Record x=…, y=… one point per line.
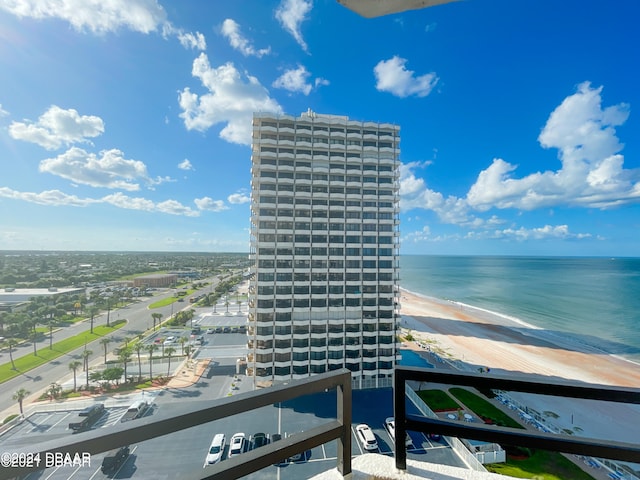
x=126, y=124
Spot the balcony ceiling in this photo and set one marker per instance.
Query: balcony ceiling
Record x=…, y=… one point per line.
x=378, y=8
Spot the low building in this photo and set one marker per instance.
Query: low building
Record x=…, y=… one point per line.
x=156, y=280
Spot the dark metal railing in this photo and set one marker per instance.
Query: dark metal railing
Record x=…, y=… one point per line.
x=524, y=383
x=105, y=439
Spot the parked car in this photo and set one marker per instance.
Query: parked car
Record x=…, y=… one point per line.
x=209, y=330
x=273, y=438
x=259, y=440
x=390, y=425
x=169, y=340
x=114, y=459
x=237, y=445
x=366, y=437
x=216, y=449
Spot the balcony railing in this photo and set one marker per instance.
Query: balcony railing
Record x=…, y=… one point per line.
x=105, y=439
x=545, y=441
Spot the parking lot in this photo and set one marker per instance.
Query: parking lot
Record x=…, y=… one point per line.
x=169, y=456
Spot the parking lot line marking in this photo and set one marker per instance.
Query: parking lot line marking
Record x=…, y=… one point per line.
x=324, y=453
x=63, y=417
x=355, y=435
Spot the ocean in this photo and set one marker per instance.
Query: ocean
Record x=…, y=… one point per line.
x=594, y=301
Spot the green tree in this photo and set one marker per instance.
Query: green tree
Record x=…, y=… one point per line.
x=138, y=346
x=157, y=317
x=93, y=311
x=112, y=374
x=150, y=348
x=182, y=341
x=169, y=351
x=105, y=341
x=20, y=395
x=74, y=365
x=124, y=355
x=12, y=342
x=54, y=390
x=33, y=337
x=85, y=355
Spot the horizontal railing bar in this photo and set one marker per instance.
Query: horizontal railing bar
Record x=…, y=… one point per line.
x=547, y=441
x=542, y=385
x=522, y=383
x=103, y=439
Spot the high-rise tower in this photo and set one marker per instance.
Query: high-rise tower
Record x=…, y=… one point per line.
x=325, y=240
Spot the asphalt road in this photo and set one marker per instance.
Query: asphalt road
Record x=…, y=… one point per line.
x=35, y=381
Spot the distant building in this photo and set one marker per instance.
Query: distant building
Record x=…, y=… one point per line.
x=324, y=241
x=156, y=280
x=10, y=297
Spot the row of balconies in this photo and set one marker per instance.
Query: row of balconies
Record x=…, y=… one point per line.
x=387, y=157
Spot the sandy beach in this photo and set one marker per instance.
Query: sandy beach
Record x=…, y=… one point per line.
x=481, y=339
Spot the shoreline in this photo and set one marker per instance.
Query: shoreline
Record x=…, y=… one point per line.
x=484, y=338
x=469, y=341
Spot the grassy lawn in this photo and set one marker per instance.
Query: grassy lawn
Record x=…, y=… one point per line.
x=164, y=302
x=542, y=465
x=483, y=409
x=437, y=400
x=29, y=362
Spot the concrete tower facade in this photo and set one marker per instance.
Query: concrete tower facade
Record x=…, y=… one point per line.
x=325, y=246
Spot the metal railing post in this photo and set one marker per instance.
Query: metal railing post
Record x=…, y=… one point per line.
x=400, y=409
x=344, y=409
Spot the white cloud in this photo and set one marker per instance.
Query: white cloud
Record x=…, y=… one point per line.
x=238, y=198
x=291, y=14
x=195, y=41
x=294, y=80
x=592, y=173
x=106, y=16
x=57, y=127
x=96, y=16
x=3, y=112
x=207, y=203
x=109, y=170
x=539, y=233
x=185, y=165
x=232, y=98
x=231, y=31
x=48, y=197
x=57, y=198
x=393, y=77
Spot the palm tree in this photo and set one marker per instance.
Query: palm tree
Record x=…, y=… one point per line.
x=20, y=395
x=54, y=390
x=12, y=342
x=74, y=365
x=85, y=355
x=93, y=311
x=169, y=351
x=157, y=317
x=124, y=355
x=105, y=341
x=52, y=323
x=33, y=337
x=182, y=341
x=138, y=346
x=150, y=348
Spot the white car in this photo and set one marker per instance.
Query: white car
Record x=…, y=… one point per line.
x=237, y=444
x=169, y=340
x=390, y=425
x=216, y=449
x=366, y=437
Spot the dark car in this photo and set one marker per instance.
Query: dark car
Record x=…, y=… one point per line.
x=259, y=440
x=273, y=438
x=114, y=459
